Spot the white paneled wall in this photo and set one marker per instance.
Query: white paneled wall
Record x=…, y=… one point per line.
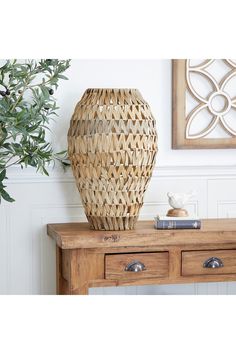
x=27, y=254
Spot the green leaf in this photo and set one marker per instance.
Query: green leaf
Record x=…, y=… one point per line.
x=65, y=163
x=45, y=171
x=62, y=77
x=61, y=152
x=2, y=175
x=6, y=196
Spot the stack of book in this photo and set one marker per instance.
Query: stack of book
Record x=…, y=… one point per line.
x=166, y=222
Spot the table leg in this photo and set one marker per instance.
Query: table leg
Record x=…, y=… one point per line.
x=62, y=284
x=85, y=266
x=75, y=268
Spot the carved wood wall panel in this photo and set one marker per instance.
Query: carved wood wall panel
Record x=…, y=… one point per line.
x=204, y=103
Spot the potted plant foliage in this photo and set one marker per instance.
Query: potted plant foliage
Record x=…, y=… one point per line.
x=27, y=105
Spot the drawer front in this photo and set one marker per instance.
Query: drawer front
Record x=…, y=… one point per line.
x=209, y=262
x=136, y=265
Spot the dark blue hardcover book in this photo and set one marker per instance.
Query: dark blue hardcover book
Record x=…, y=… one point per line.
x=178, y=224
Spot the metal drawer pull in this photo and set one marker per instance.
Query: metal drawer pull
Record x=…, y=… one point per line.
x=135, y=266
x=213, y=262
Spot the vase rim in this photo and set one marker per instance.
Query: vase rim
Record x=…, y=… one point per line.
x=112, y=96
x=98, y=89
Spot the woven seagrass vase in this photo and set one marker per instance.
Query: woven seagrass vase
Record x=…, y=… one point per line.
x=112, y=144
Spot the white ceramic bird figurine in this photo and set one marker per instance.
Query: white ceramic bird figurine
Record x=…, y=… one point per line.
x=177, y=201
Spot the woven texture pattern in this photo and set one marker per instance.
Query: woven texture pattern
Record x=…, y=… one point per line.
x=112, y=144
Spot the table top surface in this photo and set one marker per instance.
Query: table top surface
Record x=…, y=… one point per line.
x=79, y=235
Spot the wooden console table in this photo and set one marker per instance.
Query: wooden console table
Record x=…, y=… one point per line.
x=88, y=258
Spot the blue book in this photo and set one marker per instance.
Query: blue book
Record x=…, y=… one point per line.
x=177, y=223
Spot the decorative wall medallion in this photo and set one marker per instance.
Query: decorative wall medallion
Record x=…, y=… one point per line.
x=204, y=103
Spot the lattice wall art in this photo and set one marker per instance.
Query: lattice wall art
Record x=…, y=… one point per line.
x=204, y=103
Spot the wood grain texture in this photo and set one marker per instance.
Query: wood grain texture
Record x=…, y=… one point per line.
x=61, y=282
x=174, y=262
x=156, y=265
x=192, y=262
x=178, y=103
x=79, y=235
x=88, y=258
x=85, y=267
x=156, y=281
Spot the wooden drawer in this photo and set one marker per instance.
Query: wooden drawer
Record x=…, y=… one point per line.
x=193, y=262
x=156, y=265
